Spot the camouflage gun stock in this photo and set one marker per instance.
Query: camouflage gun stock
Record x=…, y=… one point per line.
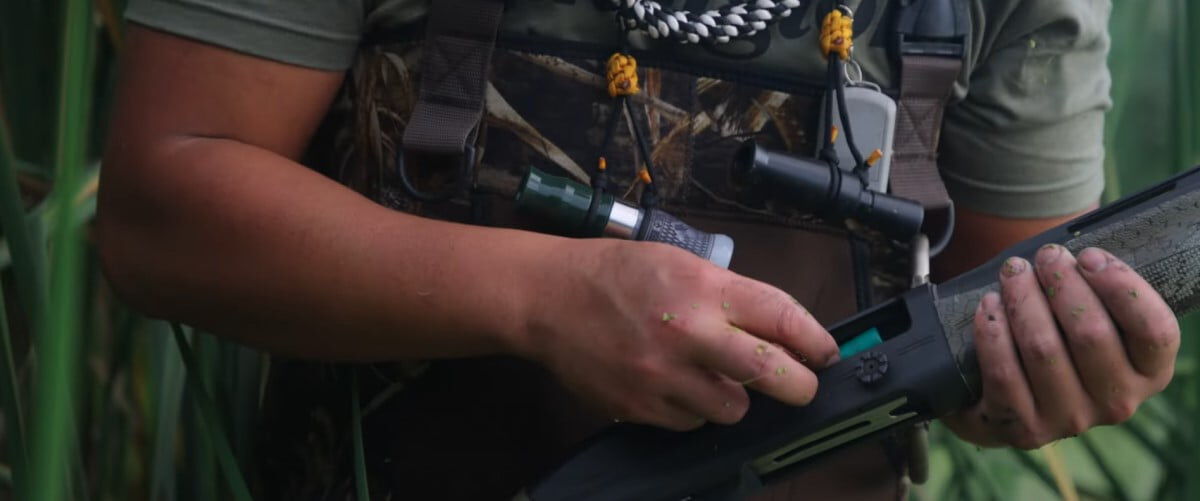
x=925, y=368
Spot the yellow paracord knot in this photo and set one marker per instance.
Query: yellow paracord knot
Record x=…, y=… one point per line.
x=837, y=34
x=622, y=75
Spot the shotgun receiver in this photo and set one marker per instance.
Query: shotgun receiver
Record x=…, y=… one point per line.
x=925, y=368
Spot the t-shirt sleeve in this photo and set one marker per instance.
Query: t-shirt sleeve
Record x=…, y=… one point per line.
x=322, y=34
x=1026, y=141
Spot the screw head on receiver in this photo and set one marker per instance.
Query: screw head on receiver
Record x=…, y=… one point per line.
x=872, y=366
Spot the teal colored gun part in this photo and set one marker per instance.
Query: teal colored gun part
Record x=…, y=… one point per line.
x=860, y=343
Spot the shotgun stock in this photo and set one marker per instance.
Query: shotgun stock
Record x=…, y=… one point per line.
x=926, y=368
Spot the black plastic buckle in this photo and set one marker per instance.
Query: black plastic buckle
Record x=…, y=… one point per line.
x=932, y=28
x=459, y=166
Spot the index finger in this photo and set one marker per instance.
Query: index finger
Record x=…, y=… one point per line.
x=771, y=314
x=756, y=363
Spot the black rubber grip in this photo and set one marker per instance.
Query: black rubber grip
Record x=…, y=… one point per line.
x=660, y=226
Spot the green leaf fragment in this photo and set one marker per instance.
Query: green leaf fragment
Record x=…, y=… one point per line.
x=667, y=317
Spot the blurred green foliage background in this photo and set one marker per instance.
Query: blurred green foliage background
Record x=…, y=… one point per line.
x=98, y=403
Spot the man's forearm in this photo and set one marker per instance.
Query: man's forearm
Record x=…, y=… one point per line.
x=978, y=237
x=244, y=242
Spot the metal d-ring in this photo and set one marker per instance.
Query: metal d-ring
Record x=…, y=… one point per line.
x=458, y=185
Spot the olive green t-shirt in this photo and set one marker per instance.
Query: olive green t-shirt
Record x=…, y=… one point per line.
x=1022, y=137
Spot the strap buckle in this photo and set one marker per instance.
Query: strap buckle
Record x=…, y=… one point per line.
x=932, y=28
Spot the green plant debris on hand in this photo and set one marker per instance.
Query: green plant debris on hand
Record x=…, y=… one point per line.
x=667, y=317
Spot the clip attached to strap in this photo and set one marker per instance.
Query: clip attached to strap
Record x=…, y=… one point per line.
x=440, y=134
x=458, y=168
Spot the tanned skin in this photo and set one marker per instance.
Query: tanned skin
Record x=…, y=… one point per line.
x=206, y=217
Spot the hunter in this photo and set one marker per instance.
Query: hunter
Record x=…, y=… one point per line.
x=256, y=185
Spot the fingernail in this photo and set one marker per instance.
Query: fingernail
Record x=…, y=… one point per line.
x=1014, y=266
x=1049, y=253
x=1092, y=260
x=990, y=301
x=837, y=357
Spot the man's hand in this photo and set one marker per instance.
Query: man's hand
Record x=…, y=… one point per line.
x=655, y=335
x=1069, y=344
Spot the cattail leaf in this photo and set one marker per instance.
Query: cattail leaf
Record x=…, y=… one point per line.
x=169, y=382
x=26, y=252
x=211, y=426
x=360, y=460
x=53, y=431
x=10, y=396
x=1114, y=483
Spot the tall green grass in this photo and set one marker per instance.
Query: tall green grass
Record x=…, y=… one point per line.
x=54, y=441
x=92, y=395
x=100, y=403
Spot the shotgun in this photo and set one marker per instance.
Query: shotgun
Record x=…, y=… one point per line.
x=924, y=369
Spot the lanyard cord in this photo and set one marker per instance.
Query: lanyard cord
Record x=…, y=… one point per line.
x=733, y=21
x=621, y=73
x=839, y=88
x=837, y=44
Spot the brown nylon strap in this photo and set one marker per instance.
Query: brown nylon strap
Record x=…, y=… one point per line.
x=459, y=39
x=925, y=85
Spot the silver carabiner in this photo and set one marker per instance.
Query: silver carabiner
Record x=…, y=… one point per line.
x=856, y=78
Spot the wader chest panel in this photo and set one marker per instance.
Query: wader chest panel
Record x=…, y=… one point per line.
x=546, y=106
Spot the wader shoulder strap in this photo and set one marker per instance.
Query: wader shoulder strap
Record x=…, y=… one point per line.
x=930, y=43
x=460, y=36
x=931, y=39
